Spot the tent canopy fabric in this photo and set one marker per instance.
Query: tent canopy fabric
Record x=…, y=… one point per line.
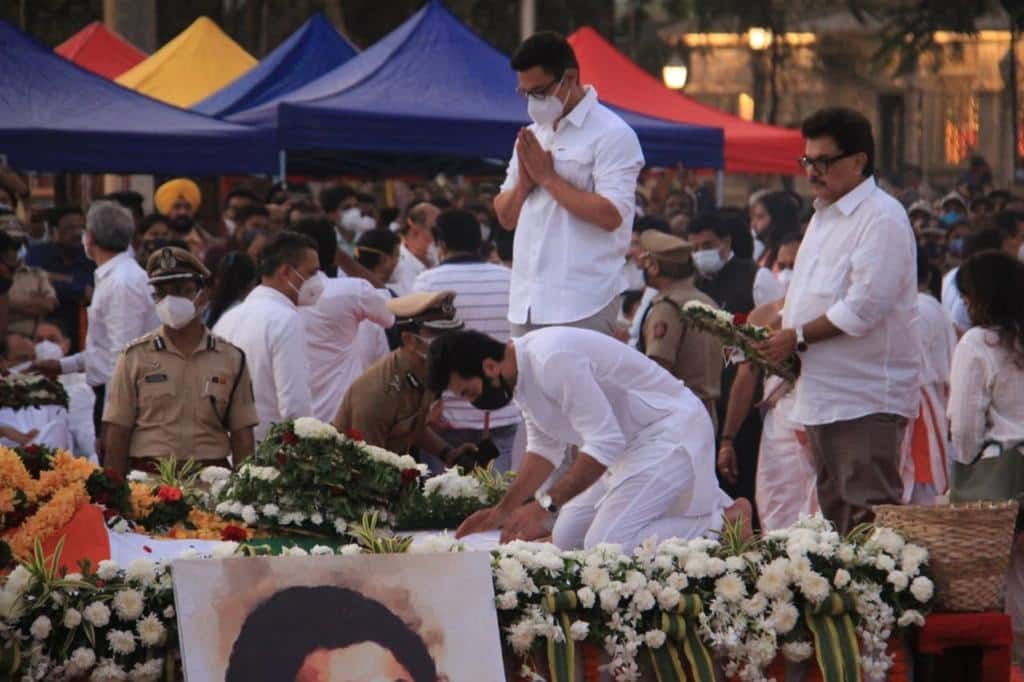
x=749, y=147
x=309, y=53
x=433, y=87
x=56, y=117
x=200, y=60
x=100, y=50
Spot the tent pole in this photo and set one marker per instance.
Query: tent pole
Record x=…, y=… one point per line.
x=282, y=168
x=720, y=188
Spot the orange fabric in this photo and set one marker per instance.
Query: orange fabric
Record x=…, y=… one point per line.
x=749, y=147
x=85, y=538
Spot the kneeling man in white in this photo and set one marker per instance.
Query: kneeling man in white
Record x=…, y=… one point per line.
x=646, y=464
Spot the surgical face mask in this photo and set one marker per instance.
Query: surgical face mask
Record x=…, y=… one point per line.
x=708, y=262
x=48, y=350
x=176, y=311
x=545, y=110
x=493, y=397
x=311, y=289
x=784, y=277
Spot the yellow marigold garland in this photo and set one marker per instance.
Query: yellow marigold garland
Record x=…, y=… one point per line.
x=50, y=517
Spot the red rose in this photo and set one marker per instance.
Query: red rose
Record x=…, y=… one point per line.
x=739, y=318
x=410, y=476
x=354, y=433
x=281, y=459
x=233, y=534
x=289, y=438
x=168, y=493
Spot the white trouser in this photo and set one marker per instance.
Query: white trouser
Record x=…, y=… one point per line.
x=626, y=508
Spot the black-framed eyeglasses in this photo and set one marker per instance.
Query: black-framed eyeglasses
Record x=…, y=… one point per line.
x=540, y=92
x=821, y=164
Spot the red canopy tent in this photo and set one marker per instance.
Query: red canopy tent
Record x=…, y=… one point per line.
x=749, y=147
x=101, y=51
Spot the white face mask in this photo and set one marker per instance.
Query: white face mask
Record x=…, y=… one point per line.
x=784, y=277
x=708, y=262
x=176, y=311
x=310, y=291
x=48, y=350
x=545, y=110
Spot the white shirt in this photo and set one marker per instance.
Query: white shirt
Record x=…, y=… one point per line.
x=121, y=311
x=986, y=400
x=332, y=326
x=857, y=265
x=267, y=327
x=481, y=301
x=938, y=341
x=953, y=302
x=584, y=388
x=405, y=273
x=565, y=269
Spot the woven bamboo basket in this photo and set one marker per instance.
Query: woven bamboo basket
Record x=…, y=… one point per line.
x=969, y=545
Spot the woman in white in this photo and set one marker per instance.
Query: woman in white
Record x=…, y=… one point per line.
x=986, y=402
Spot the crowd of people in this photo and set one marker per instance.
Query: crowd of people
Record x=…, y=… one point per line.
x=538, y=324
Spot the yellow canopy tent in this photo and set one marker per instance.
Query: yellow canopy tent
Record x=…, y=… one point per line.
x=199, y=61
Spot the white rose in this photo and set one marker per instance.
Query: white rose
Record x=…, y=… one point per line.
x=899, y=580
x=586, y=597
x=128, y=604
x=655, y=639
x=507, y=601
x=72, y=619
x=142, y=570
x=41, y=627
x=97, y=613
x=910, y=617
x=151, y=631
x=579, y=630
x=841, y=579
x=107, y=570
x=730, y=587
x=922, y=588
x=121, y=641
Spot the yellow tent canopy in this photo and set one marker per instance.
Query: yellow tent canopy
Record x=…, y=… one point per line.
x=199, y=61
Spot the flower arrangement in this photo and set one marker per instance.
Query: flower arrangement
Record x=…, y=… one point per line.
x=307, y=478
x=737, y=334
x=19, y=391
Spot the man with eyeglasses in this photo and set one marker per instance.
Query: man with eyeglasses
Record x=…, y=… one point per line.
x=850, y=314
x=569, y=194
x=268, y=328
x=180, y=391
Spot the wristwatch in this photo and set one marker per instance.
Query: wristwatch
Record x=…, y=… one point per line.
x=801, y=342
x=546, y=502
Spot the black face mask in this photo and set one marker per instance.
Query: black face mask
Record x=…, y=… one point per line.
x=493, y=397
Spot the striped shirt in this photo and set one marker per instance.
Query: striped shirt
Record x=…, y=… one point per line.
x=481, y=300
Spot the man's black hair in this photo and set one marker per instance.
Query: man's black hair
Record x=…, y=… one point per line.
x=850, y=130
x=288, y=248
x=459, y=231
x=548, y=50
x=280, y=633
x=333, y=197
x=321, y=231
x=461, y=353
x=380, y=241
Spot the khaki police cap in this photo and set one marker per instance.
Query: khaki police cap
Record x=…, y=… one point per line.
x=172, y=263
x=431, y=309
x=666, y=248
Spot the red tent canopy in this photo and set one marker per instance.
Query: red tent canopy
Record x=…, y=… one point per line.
x=101, y=51
x=749, y=147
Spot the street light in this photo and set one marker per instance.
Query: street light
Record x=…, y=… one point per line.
x=674, y=73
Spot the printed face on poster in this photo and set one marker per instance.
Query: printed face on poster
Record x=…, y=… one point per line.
x=362, y=618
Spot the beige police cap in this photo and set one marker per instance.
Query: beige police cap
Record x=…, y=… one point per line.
x=172, y=263
x=431, y=309
x=666, y=248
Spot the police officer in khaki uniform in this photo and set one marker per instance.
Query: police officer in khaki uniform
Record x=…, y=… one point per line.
x=179, y=391
x=689, y=354
x=388, y=405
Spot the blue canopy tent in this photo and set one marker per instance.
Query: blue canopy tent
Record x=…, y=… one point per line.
x=434, y=88
x=309, y=53
x=57, y=117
